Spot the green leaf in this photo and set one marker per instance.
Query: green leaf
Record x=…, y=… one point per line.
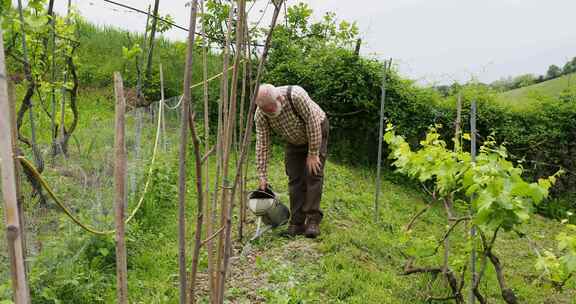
x=103, y=251
x=569, y=262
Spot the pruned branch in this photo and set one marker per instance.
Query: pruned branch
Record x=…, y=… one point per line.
x=450, y=229
x=415, y=217
x=210, y=152
x=449, y=275
x=215, y=234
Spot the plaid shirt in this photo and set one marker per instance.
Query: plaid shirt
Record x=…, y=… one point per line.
x=293, y=129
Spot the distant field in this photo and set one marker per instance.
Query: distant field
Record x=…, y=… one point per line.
x=535, y=93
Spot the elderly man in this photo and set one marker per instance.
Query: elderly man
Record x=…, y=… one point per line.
x=293, y=115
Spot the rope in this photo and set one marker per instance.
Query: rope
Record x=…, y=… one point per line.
x=199, y=84
x=177, y=105
x=211, y=78
x=28, y=165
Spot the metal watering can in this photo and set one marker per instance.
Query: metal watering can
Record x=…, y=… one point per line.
x=268, y=208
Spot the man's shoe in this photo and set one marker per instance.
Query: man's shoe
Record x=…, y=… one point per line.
x=294, y=230
x=312, y=230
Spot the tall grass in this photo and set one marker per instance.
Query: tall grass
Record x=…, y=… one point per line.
x=100, y=54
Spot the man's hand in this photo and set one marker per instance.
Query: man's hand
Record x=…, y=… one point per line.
x=313, y=164
x=263, y=184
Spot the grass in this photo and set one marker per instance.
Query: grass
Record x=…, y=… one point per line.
x=534, y=94
x=360, y=260
x=100, y=54
x=356, y=259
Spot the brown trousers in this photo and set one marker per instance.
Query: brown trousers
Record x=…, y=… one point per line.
x=305, y=188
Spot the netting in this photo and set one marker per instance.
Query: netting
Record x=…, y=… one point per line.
x=82, y=181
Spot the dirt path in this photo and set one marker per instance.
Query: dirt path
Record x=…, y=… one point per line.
x=268, y=265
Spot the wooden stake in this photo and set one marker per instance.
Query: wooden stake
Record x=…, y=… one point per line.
x=183, y=144
x=240, y=123
x=53, y=80
x=233, y=91
x=245, y=144
x=210, y=212
x=200, y=212
x=233, y=100
x=472, y=298
x=120, y=191
x=162, y=118
x=198, y=158
x=214, y=205
x=246, y=83
x=9, y=190
x=357, y=49
x=448, y=203
x=62, y=118
x=380, y=137
x=230, y=125
x=151, y=44
x=15, y=152
x=225, y=140
x=457, y=125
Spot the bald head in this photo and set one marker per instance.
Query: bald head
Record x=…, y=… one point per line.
x=269, y=99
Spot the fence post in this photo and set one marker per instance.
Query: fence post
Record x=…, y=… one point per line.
x=162, y=109
x=120, y=190
x=380, y=137
x=473, y=229
x=9, y=191
x=17, y=172
x=185, y=116
x=458, y=124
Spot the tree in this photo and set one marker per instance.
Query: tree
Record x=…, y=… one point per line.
x=494, y=197
x=553, y=72
x=569, y=67
x=523, y=81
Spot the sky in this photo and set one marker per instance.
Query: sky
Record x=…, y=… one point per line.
x=431, y=41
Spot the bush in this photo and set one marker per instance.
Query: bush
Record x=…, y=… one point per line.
x=348, y=88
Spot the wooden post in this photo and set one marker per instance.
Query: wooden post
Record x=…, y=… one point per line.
x=380, y=137
x=248, y=84
x=9, y=190
x=120, y=191
x=187, y=99
x=62, y=118
x=225, y=147
x=214, y=198
x=473, y=229
x=234, y=88
x=183, y=145
x=448, y=203
x=53, y=80
x=242, y=208
x=230, y=125
x=210, y=212
x=458, y=124
x=162, y=118
x=357, y=50
x=15, y=151
x=243, y=151
x=151, y=45
x=233, y=102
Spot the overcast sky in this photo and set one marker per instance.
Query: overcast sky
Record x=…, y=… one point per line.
x=431, y=41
